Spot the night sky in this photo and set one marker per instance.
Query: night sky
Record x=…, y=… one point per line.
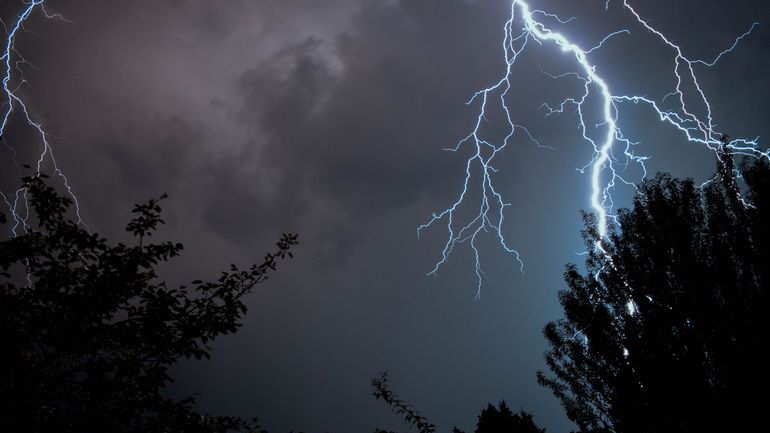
x=328, y=119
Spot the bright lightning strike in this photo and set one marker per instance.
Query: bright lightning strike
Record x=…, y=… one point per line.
x=527, y=26
x=12, y=80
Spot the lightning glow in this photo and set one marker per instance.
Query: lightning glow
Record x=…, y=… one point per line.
x=12, y=80
x=611, y=150
x=526, y=28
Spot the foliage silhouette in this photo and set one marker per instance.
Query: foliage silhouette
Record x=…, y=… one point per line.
x=501, y=419
x=89, y=331
x=669, y=333
x=491, y=420
x=381, y=386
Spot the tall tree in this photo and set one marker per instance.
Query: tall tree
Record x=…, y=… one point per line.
x=666, y=330
x=89, y=330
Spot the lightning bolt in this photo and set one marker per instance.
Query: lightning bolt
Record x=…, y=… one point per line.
x=612, y=151
x=12, y=80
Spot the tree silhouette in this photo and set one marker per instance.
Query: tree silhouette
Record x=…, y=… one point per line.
x=501, y=419
x=492, y=419
x=89, y=330
x=668, y=334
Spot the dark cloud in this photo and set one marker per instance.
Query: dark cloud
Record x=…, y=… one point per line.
x=352, y=134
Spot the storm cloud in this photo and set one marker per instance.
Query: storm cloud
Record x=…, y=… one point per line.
x=328, y=118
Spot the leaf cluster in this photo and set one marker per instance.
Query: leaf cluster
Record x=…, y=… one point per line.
x=89, y=329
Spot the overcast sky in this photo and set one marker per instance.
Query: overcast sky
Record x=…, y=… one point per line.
x=328, y=119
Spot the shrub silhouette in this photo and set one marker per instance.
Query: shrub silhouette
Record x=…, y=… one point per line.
x=89, y=330
x=501, y=419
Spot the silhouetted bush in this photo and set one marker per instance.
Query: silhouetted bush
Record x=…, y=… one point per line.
x=89, y=330
x=501, y=419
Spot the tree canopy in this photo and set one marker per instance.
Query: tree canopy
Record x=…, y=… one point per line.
x=501, y=419
x=666, y=331
x=89, y=329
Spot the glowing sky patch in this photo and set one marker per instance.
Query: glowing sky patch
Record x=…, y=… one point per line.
x=611, y=150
